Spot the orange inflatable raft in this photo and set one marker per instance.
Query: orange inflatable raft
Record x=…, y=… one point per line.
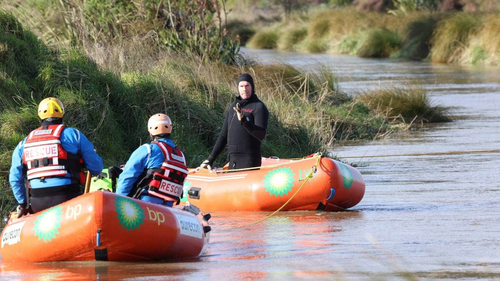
x=104, y=226
x=312, y=183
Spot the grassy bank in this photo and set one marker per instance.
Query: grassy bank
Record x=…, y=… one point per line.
x=109, y=100
x=443, y=37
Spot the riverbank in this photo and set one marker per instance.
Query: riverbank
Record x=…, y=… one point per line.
x=110, y=100
x=440, y=37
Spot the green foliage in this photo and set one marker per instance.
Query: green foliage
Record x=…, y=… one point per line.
x=291, y=37
x=407, y=6
x=416, y=44
x=379, y=43
x=354, y=121
x=349, y=44
x=409, y=104
x=452, y=36
x=478, y=55
x=193, y=27
x=240, y=30
x=340, y=3
x=264, y=39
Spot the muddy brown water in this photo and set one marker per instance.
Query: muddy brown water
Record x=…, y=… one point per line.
x=427, y=217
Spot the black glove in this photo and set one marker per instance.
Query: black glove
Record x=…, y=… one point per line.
x=114, y=173
x=101, y=176
x=22, y=210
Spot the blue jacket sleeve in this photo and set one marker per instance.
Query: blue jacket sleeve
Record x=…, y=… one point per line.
x=74, y=141
x=17, y=175
x=134, y=167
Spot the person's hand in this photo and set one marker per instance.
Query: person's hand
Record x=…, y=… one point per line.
x=237, y=109
x=22, y=210
x=101, y=176
x=205, y=165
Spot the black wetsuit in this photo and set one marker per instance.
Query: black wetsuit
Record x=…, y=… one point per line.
x=243, y=138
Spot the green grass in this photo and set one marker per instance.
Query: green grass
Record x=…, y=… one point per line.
x=418, y=33
x=408, y=104
x=291, y=37
x=264, y=39
x=444, y=37
x=452, y=35
x=379, y=43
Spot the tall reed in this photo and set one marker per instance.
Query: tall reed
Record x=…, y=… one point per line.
x=452, y=35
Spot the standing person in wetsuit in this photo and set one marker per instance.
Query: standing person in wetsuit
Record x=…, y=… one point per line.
x=243, y=130
x=155, y=172
x=52, y=159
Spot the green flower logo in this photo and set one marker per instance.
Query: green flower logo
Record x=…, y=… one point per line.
x=48, y=223
x=279, y=181
x=185, y=189
x=130, y=213
x=346, y=176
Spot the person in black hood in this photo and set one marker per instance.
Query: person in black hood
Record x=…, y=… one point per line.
x=243, y=130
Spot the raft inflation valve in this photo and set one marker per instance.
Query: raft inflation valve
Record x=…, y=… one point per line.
x=194, y=192
x=207, y=217
x=332, y=193
x=98, y=237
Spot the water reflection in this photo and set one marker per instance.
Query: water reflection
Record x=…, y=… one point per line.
x=95, y=270
x=283, y=238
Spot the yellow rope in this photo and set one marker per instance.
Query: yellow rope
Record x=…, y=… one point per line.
x=427, y=153
x=315, y=166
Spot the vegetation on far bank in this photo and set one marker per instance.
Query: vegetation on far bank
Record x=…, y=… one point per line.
x=109, y=93
x=415, y=34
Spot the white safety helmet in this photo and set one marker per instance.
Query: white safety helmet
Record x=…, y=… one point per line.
x=159, y=124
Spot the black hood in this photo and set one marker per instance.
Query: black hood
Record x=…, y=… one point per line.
x=248, y=78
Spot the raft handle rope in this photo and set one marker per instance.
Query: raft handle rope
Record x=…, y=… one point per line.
x=310, y=175
x=427, y=153
x=221, y=171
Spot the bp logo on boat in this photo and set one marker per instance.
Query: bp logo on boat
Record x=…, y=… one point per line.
x=130, y=213
x=48, y=223
x=346, y=176
x=279, y=182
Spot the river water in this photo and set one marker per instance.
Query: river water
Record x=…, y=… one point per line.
x=426, y=217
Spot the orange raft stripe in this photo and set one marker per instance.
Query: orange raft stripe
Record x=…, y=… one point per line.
x=104, y=226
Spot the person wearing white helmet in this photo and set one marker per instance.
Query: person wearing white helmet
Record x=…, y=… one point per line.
x=52, y=159
x=155, y=172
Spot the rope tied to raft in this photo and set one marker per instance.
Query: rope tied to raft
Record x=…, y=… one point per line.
x=427, y=153
x=305, y=180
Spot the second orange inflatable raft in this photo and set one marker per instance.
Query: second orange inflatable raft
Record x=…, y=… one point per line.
x=104, y=226
x=312, y=183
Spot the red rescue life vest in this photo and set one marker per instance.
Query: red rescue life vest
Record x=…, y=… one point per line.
x=45, y=157
x=168, y=183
